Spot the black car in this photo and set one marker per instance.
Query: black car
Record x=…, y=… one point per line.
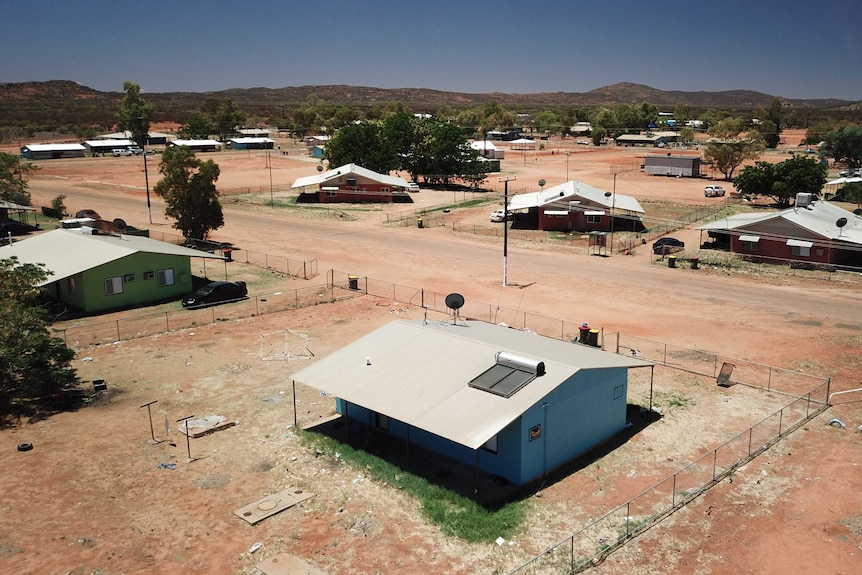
x=216, y=292
x=664, y=246
x=16, y=228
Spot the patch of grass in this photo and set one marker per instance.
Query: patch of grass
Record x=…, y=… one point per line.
x=453, y=514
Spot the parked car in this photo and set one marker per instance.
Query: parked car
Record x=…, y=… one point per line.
x=583, y=142
x=215, y=293
x=16, y=228
x=664, y=246
x=87, y=214
x=850, y=173
x=135, y=150
x=713, y=191
x=412, y=187
x=501, y=216
x=117, y=152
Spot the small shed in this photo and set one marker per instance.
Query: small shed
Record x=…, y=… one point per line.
x=642, y=140
x=104, y=146
x=251, y=143
x=198, y=145
x=52, y=151
x=676, y=166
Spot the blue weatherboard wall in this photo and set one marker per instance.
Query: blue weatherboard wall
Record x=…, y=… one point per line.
x=581, y=413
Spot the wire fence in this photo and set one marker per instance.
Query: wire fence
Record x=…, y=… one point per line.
x=807, y=396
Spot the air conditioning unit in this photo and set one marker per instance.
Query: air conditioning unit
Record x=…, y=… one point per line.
x=87, y=230
x=803, y=200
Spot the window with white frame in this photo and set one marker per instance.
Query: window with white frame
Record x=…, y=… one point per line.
x=800, y=251
x=113, y=286
x=166, y=277
x=594, y=219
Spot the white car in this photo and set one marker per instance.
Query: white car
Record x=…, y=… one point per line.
x=412, y=187
x=713, y=191
x=501, y=216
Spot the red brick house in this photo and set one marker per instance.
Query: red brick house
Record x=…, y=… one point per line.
x=351, y=184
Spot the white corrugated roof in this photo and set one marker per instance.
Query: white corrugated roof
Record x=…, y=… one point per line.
x=418, y=373
x=483, y=145
x=49, y=147
x=820, y=218
x=323, y=177
x=196, y=143
x=571, y=190
x=252, y=140
x=67, y=252
x=110, y=143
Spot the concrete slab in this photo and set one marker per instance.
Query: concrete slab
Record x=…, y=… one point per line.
x=272, y=504
x=285, y=564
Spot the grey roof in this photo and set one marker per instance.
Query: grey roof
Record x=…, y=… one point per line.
x=818, y=219
x=12, y=206
x=418, y=373
x=206, y=142
x=571, y=190
x=67, y=252
x=323, y=177
x=112, y=142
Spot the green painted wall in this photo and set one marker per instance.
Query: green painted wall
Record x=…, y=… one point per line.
x=90, y=293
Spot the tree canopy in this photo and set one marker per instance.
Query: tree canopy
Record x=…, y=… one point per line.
x=727, y=149
x=424, y=147
x=191, y=197
x=844, y=144
x=135, y=114
x=33, y=365
x=782, y=181
x=13, y=185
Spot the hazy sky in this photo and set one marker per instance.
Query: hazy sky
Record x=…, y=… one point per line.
x=783, y=48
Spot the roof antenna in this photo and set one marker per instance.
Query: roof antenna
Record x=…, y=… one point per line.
x=455, y=301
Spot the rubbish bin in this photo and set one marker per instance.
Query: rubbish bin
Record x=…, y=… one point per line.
x=593, y=338
x=584, y=334
x=694, y=263
x=671, y=261
x=419, y=223
x=353, y=282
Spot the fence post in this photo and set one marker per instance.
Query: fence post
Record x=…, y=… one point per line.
x=304, y=273
x=118, y=330
x=769, y=380
x=714, y=462
x=167, y=322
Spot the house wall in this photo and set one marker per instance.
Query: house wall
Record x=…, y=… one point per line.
x=87, y=290
x=773, y=243
x=51, y=154
x=580, y=414
x=672, y=166
x=363, y=191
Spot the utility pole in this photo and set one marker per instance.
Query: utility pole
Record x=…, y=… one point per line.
x=506, y=181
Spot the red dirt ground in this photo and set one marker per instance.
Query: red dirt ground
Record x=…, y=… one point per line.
x=90, y=498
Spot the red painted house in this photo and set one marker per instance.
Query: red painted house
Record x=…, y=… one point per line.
x=352, y=184
x=576, y=206
x=816, y=232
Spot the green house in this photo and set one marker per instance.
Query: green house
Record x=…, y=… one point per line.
x=96, y=272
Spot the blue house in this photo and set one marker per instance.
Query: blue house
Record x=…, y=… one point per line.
x=515, y=404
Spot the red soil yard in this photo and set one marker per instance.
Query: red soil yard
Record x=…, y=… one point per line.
x=92, y=498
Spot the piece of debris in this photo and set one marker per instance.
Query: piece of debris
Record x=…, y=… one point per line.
x=167, y=466
x=499, y=541
x=255, y=547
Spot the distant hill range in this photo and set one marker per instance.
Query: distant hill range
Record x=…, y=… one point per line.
x=67, y=102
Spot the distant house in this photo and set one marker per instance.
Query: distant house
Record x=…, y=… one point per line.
x=812, y=231
x=512, y=403
x=488, y=150
x=100, y=272
x=104, y=146
x=153, y=138
x=255, y=132
x=52, y=151
x=351, y=183
x=642, y=140
x=251, y=143
x=576, y=206
x=677, y=166
x=198, y=145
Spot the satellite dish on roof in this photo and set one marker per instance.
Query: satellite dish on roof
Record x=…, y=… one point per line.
x=841, y=222
x=120, y=224
x=319, y=168
x=454, y=301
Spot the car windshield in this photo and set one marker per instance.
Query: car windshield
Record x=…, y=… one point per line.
x=206, y=290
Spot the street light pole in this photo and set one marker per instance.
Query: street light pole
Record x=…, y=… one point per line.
x=613, y=205
x=144, y=138
x=269, y=163
x=506, y=228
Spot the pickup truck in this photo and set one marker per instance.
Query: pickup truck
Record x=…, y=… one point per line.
x=713, y=191
x=128, y=151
